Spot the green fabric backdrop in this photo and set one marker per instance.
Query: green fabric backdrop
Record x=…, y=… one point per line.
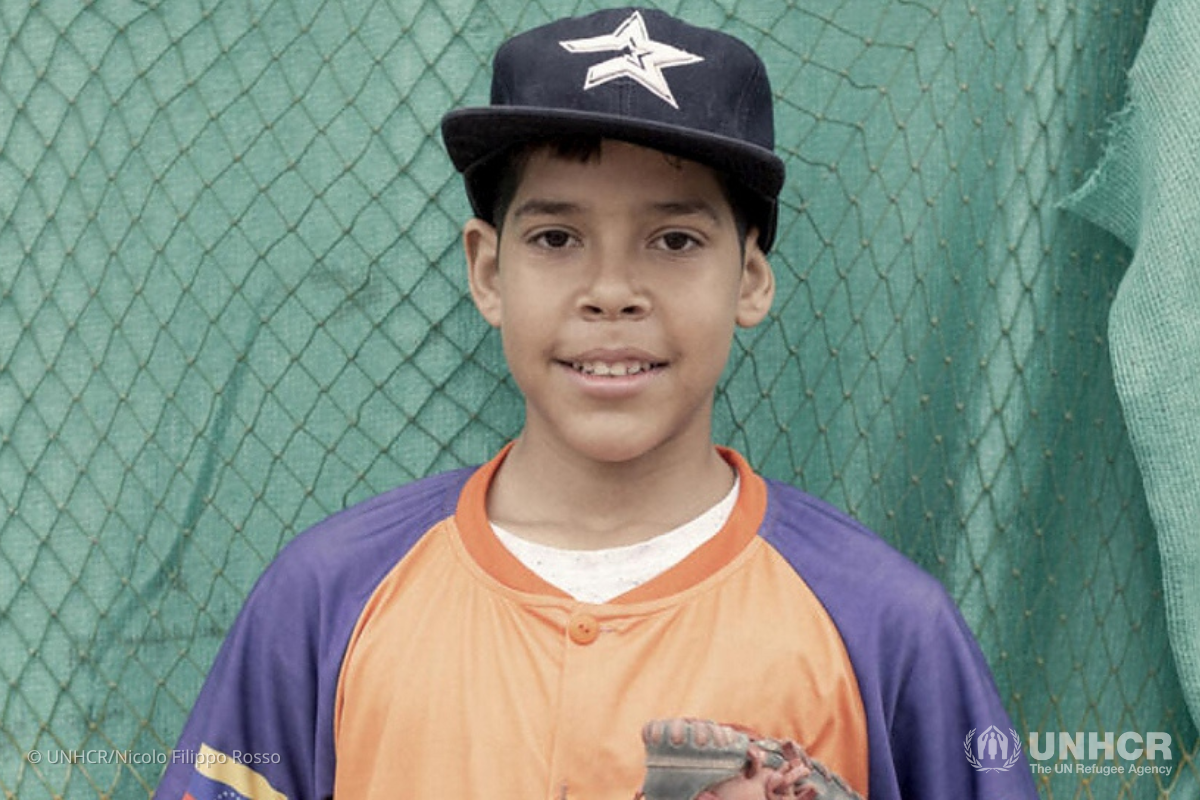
x=232, y=301
x=1145, y=192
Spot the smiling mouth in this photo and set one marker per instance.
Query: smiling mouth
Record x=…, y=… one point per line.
x=614, y=369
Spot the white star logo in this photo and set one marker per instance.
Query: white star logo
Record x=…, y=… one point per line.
x=641, y=59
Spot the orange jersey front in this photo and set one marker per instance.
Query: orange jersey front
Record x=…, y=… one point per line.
x=466, y=670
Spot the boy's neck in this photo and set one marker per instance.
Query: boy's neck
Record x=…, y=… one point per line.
x=564, y=500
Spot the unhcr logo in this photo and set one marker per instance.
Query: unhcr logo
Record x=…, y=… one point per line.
x=1129, y=746
x=993, y=750
x=1139, y=753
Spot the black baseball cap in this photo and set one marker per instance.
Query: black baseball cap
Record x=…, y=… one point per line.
x=637, y=75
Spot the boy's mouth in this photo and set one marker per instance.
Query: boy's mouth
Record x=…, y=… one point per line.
x=614, y=369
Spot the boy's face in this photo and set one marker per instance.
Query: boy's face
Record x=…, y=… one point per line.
x=616, y=287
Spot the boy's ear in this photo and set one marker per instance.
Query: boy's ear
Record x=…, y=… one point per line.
x=481, y=243
x=757, y=289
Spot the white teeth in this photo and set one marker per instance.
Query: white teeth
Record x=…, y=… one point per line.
x=618, y=370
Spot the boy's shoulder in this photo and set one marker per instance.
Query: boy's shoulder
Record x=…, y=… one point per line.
x=355, y=546
x=848, y=566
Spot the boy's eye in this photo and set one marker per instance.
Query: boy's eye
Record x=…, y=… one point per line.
x=554, y=239
x=677, y=241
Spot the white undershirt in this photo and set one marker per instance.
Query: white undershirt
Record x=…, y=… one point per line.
x=597, y=576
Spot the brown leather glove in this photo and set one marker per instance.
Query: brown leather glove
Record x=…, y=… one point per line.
x=692, y=759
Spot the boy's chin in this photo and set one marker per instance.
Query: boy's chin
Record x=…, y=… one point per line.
x=613, y=452
x=613, y=445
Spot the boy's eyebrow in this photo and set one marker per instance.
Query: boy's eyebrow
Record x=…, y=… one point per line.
x=539, y=207
x=683, y=208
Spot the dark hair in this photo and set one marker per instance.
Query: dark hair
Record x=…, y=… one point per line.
x=506, y=170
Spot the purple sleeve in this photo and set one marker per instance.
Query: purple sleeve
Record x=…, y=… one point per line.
x=272, y=688
x=940, y=693
x=269, y=692
x=924, y=682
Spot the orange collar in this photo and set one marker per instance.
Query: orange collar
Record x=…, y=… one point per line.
x=495, y=559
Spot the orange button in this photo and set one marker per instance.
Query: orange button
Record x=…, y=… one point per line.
x=583, y=629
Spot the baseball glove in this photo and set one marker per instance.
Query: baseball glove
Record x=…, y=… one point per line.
x=691, y=759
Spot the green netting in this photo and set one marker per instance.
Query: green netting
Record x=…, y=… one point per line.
x=232, y=301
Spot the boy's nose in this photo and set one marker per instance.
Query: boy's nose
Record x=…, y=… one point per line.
x=613, y=292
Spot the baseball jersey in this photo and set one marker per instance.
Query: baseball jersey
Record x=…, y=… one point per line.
x=398, y=648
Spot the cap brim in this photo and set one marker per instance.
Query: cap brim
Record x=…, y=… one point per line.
x=473, y=136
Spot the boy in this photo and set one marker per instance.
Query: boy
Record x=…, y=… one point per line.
x=507, y=631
